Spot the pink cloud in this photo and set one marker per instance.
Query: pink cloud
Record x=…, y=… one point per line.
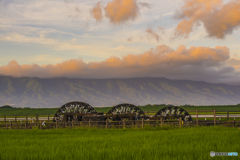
x=219, y=20
x=120, y=11
x=194, y=63
x=97, y=12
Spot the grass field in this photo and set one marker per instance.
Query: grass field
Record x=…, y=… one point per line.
x=194, y=108
x=119, y=144
x=28, y=111
x=52, y=111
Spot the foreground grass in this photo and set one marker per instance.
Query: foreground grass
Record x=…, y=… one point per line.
x=119, y=144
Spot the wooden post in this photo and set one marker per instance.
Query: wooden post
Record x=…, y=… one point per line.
x=56, y=124
x=6, y=126
x=161, y=122
x=180, y=122
x=234, y=123
x=145, y=113
x=106, y=123
x=25, y=125
x=89, y=123
x=40, y=124
x=227, y=115
x=11, y=125
x=26, y=117
x=73, y=124
x=196, y=117
x=214, y=113
x=15, y=118
x=142, y=123
x=48, y=117
x=4, y=118
x=36, y=117
x=124, y=123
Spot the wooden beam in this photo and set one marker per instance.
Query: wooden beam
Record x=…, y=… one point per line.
x=25, y=125
x=227, y=115
x=214, y=113
x=5, y=119
x=161, y=122
x=106, y=123
x=197, y=117
x=36, y=117
x=180, y=123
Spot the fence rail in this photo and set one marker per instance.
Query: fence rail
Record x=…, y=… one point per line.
x=207, y=114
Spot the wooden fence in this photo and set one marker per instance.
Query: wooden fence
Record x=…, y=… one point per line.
x=25, y=122
x=196, y=115
x=16, y=118
x=116, y=124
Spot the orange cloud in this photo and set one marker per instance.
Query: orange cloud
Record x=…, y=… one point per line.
x=97, y=12
x=194, y=63
x=120, y=11
x=218, y=19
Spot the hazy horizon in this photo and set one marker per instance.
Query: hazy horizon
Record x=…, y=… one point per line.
x=41, y=93
x=122, y=78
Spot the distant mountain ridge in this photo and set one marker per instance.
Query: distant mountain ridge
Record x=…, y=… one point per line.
x=36, y=93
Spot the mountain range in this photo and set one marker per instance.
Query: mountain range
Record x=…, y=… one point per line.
x=54, y=92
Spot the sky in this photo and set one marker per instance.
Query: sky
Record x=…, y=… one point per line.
x=175, y=39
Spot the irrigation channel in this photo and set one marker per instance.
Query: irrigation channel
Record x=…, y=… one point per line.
x=80, y=114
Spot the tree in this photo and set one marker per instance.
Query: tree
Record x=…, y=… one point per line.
x=6, y=106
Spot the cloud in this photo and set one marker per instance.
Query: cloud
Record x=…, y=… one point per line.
x=75, y=10
x=235, y=63
x=41, y=39
x=144, y=4
x=97, y=12
x=194, y=63
x=129, y=39
x=217, y=18
x=153, y=33
x=121, y=11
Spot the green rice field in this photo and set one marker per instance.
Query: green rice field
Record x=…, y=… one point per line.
x=119, y=144
x=149, y=108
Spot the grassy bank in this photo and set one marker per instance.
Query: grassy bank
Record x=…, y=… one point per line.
x=118, y=144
